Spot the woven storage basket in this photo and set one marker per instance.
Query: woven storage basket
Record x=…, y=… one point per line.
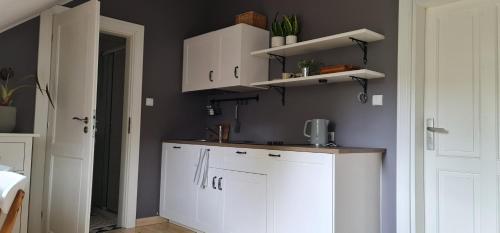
x=252, y=18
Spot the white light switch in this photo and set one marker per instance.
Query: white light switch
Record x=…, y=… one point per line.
x=150, y=102
x=377, y=100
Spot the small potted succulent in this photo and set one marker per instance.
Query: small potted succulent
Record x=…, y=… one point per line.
x=8, y=90
x=308, y=67
x=278, y=38
x=291, y=28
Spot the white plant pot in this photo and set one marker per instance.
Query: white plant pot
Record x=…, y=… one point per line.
x=7, y=119
x=291, y=39
x=277, y=41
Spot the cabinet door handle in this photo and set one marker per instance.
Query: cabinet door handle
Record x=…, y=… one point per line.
x=236, y=72
x=275, y=155
x=220, y=183
x=213, y=182
x=241, y=152
x=210, y=76
x=176, y=147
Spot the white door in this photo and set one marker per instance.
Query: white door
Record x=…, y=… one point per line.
x=178, y=188
x=462, y=124
x=245, y=202
x=71, y=141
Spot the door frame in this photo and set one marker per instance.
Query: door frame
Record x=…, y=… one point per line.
x=129, y=167
x=410, y=114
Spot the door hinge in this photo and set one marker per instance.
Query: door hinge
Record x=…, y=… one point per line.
x=129, y=123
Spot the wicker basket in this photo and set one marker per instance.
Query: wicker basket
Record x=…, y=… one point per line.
x=252, y=18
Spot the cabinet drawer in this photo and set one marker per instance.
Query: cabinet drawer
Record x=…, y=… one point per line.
x=12, y=155
x=246, y=160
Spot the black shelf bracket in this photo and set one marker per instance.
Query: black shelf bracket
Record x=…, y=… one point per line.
x=363, y=45
x=363, y=82
x=280, y=59
x=281, y=91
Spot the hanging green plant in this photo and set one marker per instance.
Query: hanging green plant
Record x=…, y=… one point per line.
x=9, y=87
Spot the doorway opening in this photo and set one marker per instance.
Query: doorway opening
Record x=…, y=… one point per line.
x=108, y=136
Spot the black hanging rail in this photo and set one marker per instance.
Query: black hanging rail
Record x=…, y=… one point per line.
x=239, y=100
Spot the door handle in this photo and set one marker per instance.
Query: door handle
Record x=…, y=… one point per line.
x=236, y=72
x=220, y=183
x=85, y=120
x=213, y=182
x=431, y=130
x=210, y=76
x=437, y=130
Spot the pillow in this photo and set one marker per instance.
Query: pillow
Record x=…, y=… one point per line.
x=10, y=183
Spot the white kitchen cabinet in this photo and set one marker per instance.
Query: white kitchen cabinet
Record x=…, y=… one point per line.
x=200, y=63
x=178, y=191
x=221, y=59
x=244, y=202
x=209, y=203
x=15, y=152
x=252, y=190
x=301, y=192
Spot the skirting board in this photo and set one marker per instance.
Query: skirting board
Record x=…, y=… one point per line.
x=150, y=221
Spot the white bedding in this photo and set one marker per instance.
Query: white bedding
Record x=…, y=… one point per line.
x=10, y=183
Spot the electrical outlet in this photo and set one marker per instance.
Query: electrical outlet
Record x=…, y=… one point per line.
x=150, y=102
x=377, y=100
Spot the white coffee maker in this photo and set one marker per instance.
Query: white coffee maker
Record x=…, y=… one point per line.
x=317, y=131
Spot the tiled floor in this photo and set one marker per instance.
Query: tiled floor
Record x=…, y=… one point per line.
x=157, y=228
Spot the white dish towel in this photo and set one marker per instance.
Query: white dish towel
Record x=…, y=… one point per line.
x=10, y=183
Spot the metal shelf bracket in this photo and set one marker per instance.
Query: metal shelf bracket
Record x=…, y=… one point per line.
x=363, y=45
x=280, y=59
x=362, y=96
x=281, y=91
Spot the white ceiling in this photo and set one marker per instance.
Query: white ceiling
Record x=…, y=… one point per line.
x=13, y=12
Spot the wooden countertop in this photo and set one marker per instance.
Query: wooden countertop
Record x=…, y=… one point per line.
x=298, y=148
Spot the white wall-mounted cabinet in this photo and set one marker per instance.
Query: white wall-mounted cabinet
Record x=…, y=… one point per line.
x=271, y=191
x=221, y=59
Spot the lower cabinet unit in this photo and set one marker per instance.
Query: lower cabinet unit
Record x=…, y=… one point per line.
x=301, y=192
x=227, y=189
x=244, y=202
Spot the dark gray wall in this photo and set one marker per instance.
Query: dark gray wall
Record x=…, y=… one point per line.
x=19, y=49
x=174, y=115
x=356, y=124
x=177, y=115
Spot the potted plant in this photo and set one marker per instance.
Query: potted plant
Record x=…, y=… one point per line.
x=278, y=38
x=8, y=90
x=308, y=67
x=291, y=28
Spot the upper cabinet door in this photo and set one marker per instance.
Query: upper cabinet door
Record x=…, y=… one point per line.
x=200, y=62
x=222, y=59
x=230, y=56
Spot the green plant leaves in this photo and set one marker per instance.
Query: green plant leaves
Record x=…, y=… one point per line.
x=295, y=25
x=289, y=26
x=277, y=29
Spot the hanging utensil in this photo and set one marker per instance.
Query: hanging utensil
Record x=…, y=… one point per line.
x=237, y=124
